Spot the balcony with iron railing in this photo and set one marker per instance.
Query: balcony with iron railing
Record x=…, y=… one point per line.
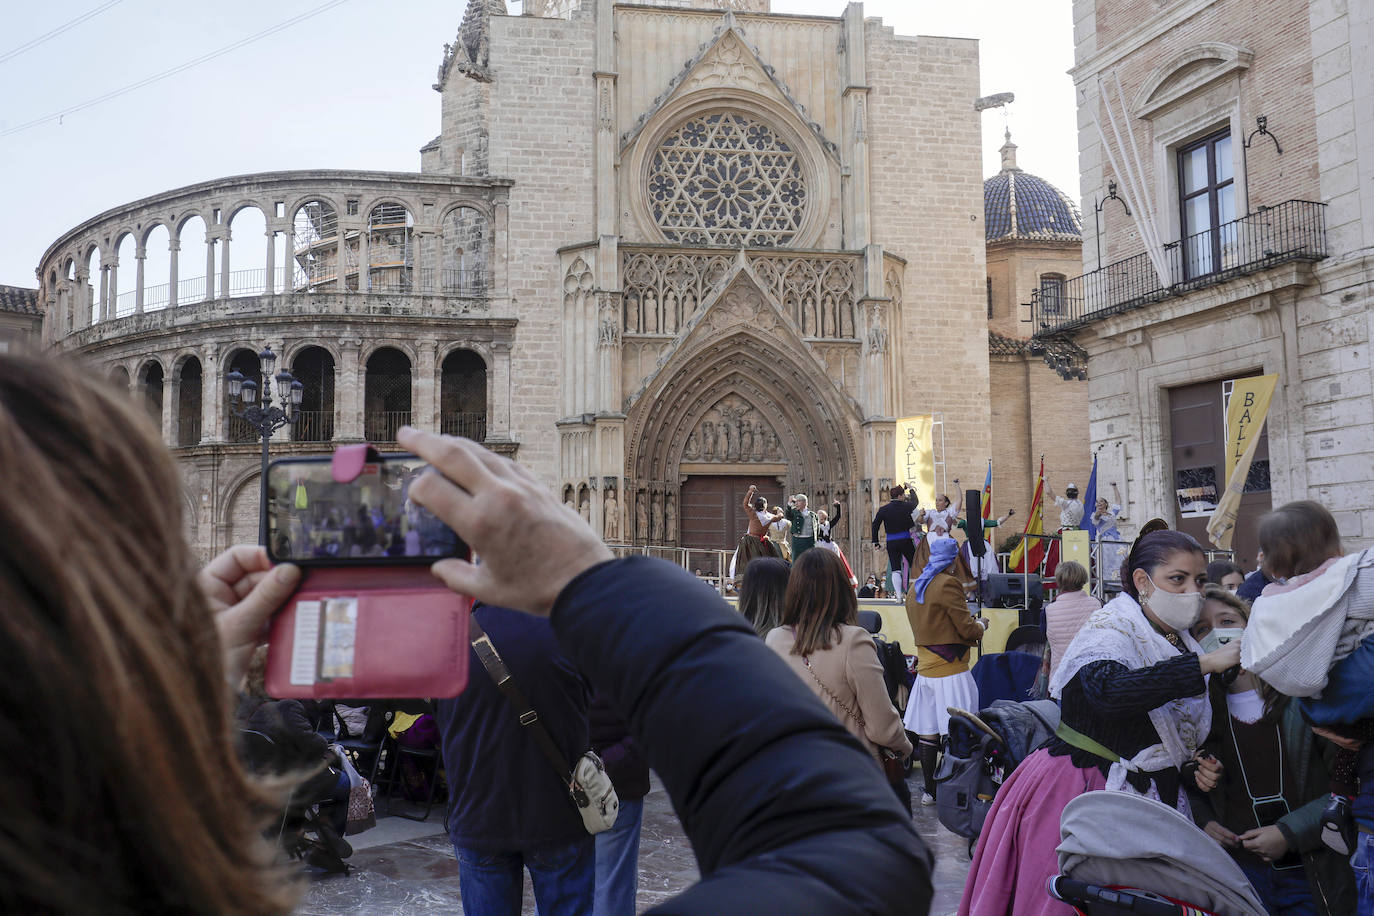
x=381, y=425
x=468, y=425
x=1294, y=230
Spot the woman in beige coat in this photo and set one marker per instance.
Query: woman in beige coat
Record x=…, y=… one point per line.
x=836, y=658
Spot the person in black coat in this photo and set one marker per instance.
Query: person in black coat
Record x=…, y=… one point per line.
x=783, y=807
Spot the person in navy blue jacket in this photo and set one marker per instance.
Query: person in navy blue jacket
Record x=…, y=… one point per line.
x=510, y=809
x=784, y=810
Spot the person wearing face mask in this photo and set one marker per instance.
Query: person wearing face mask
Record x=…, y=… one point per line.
x=1134, y=711
x=1265, y=807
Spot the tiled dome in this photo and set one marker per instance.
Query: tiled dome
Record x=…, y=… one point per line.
x=1019, y=205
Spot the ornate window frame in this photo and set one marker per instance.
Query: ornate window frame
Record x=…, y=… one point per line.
x=811, y=158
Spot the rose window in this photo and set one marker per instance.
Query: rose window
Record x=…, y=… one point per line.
x=727, y=179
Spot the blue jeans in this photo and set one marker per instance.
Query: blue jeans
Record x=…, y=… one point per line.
x=563, y=879
x=1364, y=883
x=1285, y=892
x=617, y=862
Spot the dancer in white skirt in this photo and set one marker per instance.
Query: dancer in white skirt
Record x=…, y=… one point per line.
x=944, y=629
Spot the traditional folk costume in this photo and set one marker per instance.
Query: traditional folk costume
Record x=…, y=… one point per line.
x=895, y=517
x=825, y=541
x=940, y=525
x=1109, y=556
x=1135, y=710
x=943, y=629
x=804, y=527
x=779, y=531
x=755, y=542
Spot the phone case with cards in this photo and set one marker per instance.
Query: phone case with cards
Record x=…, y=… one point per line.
x=369, y=633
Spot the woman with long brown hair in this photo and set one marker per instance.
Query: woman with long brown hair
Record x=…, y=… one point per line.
x=821, y=641
x=121, y=793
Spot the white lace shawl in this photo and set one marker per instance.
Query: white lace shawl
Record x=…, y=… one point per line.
x=1119, y=632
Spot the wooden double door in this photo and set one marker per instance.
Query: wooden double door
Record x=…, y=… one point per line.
x=712, y=515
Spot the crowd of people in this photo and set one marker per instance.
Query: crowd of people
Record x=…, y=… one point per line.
x=774, y=727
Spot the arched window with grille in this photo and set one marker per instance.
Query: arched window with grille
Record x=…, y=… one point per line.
x=463, y=396
x=314, y=369
x=246, y=362
x=150, y=379
x=189, y=392
x=386, y=398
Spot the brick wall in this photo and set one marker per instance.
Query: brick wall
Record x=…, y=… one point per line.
x=927, y=207
x=543, y=119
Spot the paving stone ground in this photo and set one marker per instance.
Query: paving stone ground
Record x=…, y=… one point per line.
x=403, y=867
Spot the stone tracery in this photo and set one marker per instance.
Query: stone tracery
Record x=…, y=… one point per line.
x=726, y=178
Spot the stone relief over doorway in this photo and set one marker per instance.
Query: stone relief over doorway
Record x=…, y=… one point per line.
x=733, y=430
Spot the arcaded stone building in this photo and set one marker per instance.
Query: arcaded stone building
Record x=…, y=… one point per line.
x=1241, y=136
x=657, y=251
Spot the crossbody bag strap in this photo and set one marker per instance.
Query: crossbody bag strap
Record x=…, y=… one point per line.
x=491, y=660
x=806, y=660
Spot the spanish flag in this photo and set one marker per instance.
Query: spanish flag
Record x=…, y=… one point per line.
x=1035, y=525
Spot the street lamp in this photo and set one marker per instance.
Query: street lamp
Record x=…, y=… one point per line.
x=263, y=416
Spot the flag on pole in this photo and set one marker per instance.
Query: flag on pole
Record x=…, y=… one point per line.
x=1035, y=525
x=987, y=494
x=1090, y=503
x=1245, y=417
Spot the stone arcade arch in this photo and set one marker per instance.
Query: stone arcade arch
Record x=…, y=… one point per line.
x=742, y=363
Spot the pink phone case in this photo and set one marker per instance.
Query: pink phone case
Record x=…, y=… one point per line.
x=411, y=636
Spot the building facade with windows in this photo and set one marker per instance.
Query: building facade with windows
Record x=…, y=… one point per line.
x=1241, y=139
x=659, y=251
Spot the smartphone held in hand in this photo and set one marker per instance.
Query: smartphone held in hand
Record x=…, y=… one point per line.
x=368, y=619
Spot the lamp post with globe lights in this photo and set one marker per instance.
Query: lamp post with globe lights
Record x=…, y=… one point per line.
x=264, y=416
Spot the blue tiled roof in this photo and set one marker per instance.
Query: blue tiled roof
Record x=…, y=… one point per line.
x=1019, y=205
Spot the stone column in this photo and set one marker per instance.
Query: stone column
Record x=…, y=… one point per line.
x=364, y=261
x=82, y=296
x=174, y=248
x=269, y=286
x=140, y=256
x=426, y=412
x=498, y=392
x=348, y=392
x=288, y=271
x=211, y=395
x=209, y=267
x=112, y=288
x=171, y=386
x=225, y=290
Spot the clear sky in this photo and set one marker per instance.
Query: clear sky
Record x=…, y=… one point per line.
x=350, y=88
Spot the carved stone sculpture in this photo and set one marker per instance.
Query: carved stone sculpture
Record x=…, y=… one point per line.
x=746, y=441
x=656, y=520
x=691, y=451
x=641, y=514
x=610, y=523
x=671, y=513
x=710, y=441
x=759, y=435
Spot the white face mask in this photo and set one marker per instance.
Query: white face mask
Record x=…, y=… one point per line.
x=1218, y=638
x=1176, y=610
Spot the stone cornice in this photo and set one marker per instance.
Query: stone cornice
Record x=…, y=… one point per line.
x=1161, y=22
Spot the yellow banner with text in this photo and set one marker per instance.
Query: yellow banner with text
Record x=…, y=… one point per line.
x=915, y=461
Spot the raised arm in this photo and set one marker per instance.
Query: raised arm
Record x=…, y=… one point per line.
x=959, y=499
x=877, y=523
x=835, y=515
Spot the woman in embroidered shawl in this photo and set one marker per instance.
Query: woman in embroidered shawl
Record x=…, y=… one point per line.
x=1135, y=711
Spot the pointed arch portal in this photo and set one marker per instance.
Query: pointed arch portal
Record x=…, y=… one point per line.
x=741, y=401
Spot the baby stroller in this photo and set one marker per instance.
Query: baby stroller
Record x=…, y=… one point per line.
x=302, y=832
x=1103, y=869
x=980, y=753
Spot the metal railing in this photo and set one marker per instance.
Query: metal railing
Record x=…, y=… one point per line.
x=188, y=431
x=313, y=426
x=468, y=425
x=1294, y=230
x=381, y=425
x=713, y=566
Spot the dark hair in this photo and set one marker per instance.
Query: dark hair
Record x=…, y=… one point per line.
x=1220, y=569
x=761, y=593
x=1298, y=537
x=760, y=504
x=1070, y=576
x=819, y=598
x=122, y=792
x=896, y=492
x=1150, y=552
x=1274, y=701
